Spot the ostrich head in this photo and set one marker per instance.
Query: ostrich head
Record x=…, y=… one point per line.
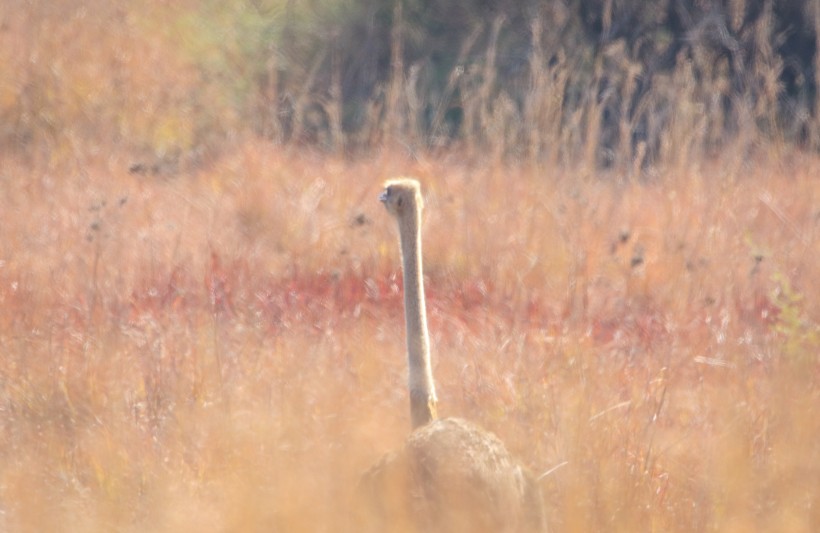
x=401, y=196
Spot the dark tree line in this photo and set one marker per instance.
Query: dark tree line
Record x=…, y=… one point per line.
x=619, y=72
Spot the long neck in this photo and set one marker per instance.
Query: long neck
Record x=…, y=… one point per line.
x=422, y=389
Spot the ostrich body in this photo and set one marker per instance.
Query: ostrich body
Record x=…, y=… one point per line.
x=450, y=475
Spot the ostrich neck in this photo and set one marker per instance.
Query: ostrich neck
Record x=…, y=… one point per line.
x=422, y=389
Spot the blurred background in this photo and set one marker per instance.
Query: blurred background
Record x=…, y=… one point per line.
x=609, y=81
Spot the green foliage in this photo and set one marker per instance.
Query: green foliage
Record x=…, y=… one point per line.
x=801, y=335
x=261, y=53
x=228, y=40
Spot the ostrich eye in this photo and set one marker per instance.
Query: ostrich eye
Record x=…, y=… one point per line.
x=400, y=201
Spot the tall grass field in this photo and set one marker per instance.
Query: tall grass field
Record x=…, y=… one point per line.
x=202, y=329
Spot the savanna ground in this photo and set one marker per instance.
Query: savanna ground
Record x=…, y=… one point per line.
x=224, y=351
x=220, y=347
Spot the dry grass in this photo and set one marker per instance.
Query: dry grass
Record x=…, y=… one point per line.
x=217, y=343
x=223, y=350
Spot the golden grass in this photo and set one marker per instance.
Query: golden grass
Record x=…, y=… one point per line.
x=219, y=345
x=223, y=350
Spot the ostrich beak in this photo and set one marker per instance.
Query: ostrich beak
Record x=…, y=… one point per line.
x=383, y=196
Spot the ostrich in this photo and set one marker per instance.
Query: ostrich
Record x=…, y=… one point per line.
x=450, y=475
